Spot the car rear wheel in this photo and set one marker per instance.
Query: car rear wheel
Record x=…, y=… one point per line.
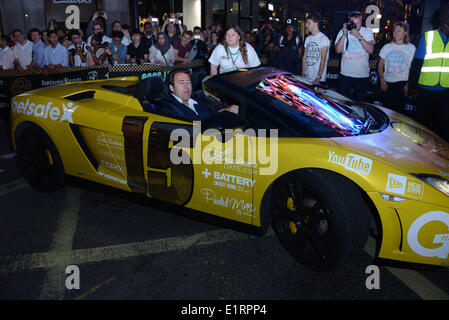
x=320, y=218
x=39, y=160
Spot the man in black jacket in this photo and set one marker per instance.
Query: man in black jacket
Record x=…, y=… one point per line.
x=180, y=84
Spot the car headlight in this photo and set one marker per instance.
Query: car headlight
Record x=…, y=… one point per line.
x=435, y=181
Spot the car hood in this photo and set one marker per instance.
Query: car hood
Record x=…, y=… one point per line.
x=405, y=145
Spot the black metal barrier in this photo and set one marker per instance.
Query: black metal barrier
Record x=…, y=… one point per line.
x=13, y=82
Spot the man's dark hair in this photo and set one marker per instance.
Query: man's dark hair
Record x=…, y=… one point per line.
x=4, y=37
x=16, y=30
x=315, y=17
x=188, y=32
x=134, y=31
x=147, y=23
x=171, y=75
x=74, y=32
x=117, y=34
x=116, y=21
x=33, y=30
x=197, y=28
x=50, y=32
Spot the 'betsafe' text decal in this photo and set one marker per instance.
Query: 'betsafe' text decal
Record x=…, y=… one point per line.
x=48, y=111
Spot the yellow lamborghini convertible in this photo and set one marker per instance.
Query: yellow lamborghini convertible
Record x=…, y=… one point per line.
x=325, y=171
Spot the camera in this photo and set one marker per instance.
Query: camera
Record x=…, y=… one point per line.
x=350, y=25
x=101, y=13
x=103, y=45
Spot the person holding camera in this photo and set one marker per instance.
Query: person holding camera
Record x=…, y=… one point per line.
x=199, y=48
x=97, y=55
x=101, y=18
x=137, y=50
x=77, y=50
x=98, y=29
x=173, y=27
x=355, y=43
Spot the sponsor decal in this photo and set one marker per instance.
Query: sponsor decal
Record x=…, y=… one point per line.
x=352, y=162
x=47, y=111
x=111, y=177
x=230, y=181
x=442, y=251
x=240, y=207
x=51, y=83
x=111, y=141
x=118, y=157
x=405, y=186
x=114, y=166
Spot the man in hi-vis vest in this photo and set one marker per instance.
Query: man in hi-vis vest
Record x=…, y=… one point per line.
x=430, y=72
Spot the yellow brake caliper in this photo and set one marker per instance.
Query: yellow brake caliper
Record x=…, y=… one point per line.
x=291, y=206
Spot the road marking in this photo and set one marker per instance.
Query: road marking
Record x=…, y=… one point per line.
x=12, y=186
x=419, y=284
x=52, y=259
x=8, y=155
x=81, y=297
x=54, y=284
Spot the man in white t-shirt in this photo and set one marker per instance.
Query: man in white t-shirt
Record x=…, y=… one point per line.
x=23, y=50
x=314, y=61
x=355, y=44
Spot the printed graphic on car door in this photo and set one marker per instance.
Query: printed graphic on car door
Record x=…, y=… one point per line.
x=224, y=176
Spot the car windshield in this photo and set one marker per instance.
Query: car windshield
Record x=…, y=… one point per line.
x=326, y=108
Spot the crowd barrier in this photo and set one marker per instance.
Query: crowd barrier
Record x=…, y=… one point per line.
x=13, y=82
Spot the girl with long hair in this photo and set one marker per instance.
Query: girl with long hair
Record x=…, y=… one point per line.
x=394, y=67
x=233, y=54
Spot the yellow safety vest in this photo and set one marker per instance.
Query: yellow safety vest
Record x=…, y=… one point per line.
x=435, y=69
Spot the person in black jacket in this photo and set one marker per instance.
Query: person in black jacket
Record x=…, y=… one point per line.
x=180, y=84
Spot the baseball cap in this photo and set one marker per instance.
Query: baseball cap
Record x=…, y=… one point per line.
x=354, y=14
x=290, y=22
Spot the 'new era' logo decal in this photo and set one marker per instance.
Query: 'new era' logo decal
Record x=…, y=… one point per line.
x=405, y=186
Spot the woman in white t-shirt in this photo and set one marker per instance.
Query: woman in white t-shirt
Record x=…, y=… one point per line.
x=233, y=54
x=394, y=67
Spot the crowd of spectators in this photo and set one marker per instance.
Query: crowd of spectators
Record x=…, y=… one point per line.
x=167, y=42
x=171, y=43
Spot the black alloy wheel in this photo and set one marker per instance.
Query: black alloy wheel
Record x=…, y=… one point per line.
x=319, y=217
x=39, y=160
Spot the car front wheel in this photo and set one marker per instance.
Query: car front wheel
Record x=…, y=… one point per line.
x=320, y=218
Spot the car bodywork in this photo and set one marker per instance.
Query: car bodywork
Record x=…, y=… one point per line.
x=103, y=134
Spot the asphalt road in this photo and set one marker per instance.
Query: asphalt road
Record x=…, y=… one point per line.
x=123, y=249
